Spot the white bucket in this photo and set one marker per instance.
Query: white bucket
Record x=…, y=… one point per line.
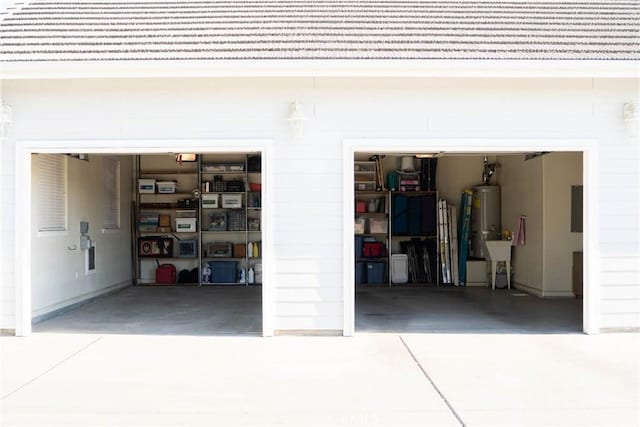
x=407, y=164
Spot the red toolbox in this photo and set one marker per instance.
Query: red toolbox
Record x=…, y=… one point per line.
x=166, y=274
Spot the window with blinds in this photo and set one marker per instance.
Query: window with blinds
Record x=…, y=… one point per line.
x=111, y=182
x=52, y=187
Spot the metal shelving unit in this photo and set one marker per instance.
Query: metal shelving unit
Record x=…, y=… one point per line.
x=190, y=176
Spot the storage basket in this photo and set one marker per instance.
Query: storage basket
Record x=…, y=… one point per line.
x=235, y=186
x=187, y=248
x=217, y=186
x=359, y=225
x=237, y=220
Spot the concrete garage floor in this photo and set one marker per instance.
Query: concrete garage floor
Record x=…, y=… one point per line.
x=463, y=310
x=171, y=310
x=154, y=310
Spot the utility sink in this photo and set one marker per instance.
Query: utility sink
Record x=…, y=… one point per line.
x=499, y=250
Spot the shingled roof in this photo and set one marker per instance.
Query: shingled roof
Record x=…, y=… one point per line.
x=85, y=30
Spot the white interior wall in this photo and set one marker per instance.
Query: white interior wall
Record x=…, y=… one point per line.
x=456, y=173
x=522, y=194
x=561, y=171
x=58, y=272
x=308, y=178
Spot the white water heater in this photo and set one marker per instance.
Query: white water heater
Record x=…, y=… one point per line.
x=485, y=218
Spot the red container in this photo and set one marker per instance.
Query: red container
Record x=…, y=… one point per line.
x=361, y=206
x=255, y=186
x=166, y=274
x=374, y=250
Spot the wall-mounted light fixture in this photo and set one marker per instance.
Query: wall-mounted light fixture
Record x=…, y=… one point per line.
x=6, y=117
x=629, y=111
x=296, y=119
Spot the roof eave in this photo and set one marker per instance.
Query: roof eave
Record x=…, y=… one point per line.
x=322, y=68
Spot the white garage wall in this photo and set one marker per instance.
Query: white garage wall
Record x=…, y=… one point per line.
x=308, y=181
x=522, y=194
x=58, y=273
x=561, y=171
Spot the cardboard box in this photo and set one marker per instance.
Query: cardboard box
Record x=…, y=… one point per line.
x=239, y=250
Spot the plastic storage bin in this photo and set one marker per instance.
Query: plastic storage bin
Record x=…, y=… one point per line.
x=359, y=273
x=166, y=187
x=375, y=273
x=399, y=268
x=224, y=271
x=210, y=201
x=358, y=242
x=232, y=200
x=185, y=225
x=378, y=225
x=146, y=186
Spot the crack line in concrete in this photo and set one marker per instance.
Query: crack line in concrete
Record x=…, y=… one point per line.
x=31, y=381
x=453, y=411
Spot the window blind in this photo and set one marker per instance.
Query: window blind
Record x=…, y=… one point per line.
x=111, y=214
x=52, y=183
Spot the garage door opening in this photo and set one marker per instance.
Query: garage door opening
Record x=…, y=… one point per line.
x=468, y=242
x=148, y=243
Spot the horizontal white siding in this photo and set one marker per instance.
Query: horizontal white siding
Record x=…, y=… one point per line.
x=7, y=208
x=308, y=180
x=619, y=206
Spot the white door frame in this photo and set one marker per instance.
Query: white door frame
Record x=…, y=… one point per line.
x=24, y=150
x=590, y=176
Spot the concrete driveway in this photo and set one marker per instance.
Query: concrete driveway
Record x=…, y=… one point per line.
x=392, y=380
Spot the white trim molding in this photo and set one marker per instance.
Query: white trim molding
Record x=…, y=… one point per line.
x=320, y=68
x=589, y=147
x=24, y=150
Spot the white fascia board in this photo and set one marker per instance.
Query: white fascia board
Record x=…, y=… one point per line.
x=320, y=68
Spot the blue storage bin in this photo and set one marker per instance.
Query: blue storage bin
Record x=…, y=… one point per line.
x=359, y=240
x=360, y=273
x=400, y=214
x=224, y=271
x=376, y=273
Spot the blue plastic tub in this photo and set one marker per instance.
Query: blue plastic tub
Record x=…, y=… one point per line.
x=376, y=273
x=224, y=271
